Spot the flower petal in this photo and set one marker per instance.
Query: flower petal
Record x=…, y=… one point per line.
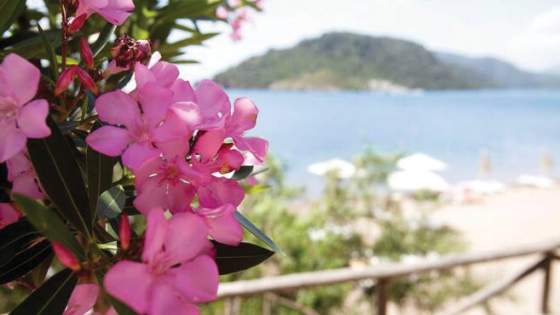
x=155, y=101
x=165, y=299
x=27, y=185
x=223, y=226
x=32, y=119
x=151, y=197
x=244, y=116
x=18, y=165
x=82, y=299
x=21, y=78
x=258, y=147
x=130, y=282
x=182, y=91
x=109, y=140
x=212, y=99
x=208, y=144
x=148, y=169
x=138, y=153
x=187, y=236
x=117, y=108
x=156, y=231
x=8, y=214
x=165, y=73
x=197, y=280
x=220, y=191
x=142, y=75
x=12, y=142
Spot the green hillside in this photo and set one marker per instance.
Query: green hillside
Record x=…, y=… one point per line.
x=352, y=61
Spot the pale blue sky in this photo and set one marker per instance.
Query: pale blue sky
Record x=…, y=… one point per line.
x=526, y=32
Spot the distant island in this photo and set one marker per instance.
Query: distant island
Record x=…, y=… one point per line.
x=346, y=61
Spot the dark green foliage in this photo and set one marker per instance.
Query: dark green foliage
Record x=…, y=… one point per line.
x=51, y=298
x=232, y=259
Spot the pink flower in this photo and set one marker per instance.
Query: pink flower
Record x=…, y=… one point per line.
x=22, y=176
x=83, y=299
x=222, y=224
x=221, y=12
x=237, y=23
x=175, y=273
x=20, y=118
x=8, y=214
x=235, y=125
x=132, y=133
x=113, y=11
x=165, y=183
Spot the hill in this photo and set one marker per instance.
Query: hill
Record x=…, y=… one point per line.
x=352, y=61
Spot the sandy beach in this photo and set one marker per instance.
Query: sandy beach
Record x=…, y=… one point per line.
x=517, y=216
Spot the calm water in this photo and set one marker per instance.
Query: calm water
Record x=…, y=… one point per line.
x=514, y=127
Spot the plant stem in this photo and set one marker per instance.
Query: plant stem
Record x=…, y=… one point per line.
x=64, y=34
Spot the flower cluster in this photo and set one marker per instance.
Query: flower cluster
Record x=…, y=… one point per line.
x=177, y=146
x=237, y=15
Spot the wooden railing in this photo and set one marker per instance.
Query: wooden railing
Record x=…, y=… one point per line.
x=385, y=273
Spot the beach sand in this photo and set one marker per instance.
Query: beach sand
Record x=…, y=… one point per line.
x=518, y=216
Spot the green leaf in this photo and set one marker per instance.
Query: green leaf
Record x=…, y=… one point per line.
x=237, y=258
x=15, y=237
x=48, y=223
x=103, y=39
x=249, y=226
x=51, y=298
x=243, y=172
x=187, y=9
x=99, y=174
x=32, y=47
x=60, y=176
x=121, y=308
x=49, y=50
x=111, y=202
x=193, y=40
x=11, y=10
x=31, y=255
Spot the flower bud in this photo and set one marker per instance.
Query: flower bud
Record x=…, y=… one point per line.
x=124, y=231
x=65, y=256
x=77, y=23
x=127, y=51
x=85, y=52
x=69, y=74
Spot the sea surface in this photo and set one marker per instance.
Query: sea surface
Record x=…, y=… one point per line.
x=515, y=127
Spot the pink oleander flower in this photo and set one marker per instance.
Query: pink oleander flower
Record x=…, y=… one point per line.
x=22, y=176
x=83, y=299
x=243, y=118
x=221, y=12
x=8, y=214
x=222, y=224
x=164, y=182
x=113, y=11
x=175, y=274
x=237, y=23
x=20, y=117
x=126, y=52
x=133, y=124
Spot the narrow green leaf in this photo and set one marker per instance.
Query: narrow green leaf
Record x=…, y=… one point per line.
x=249, y=226
x=243, y=172
x=187, y=9
x=25, y=260
x=14, y=237
x=60, y=176
x=237, y=258
x=11, y=10
x=49, y=50
x=103, y=39
x=193, y=40
x=111, y=202
x=48, y=222
x=99, y=174
x=121, y=308
x=32, y=47
x=51, y=298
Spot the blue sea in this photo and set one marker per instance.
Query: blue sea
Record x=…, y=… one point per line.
x=515, y=128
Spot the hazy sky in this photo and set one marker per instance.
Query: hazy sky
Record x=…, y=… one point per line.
x=526, y=32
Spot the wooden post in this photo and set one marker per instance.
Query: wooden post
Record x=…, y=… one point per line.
x=381, y=300
x=547, y=279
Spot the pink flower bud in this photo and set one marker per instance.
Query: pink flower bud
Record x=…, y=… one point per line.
x=68, y=75
x=65, y=256
x=77, y=23
x=221, y=12
x=85, y=51
x=124, y=232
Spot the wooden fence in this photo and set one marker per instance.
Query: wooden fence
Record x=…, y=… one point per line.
x=383, y=275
